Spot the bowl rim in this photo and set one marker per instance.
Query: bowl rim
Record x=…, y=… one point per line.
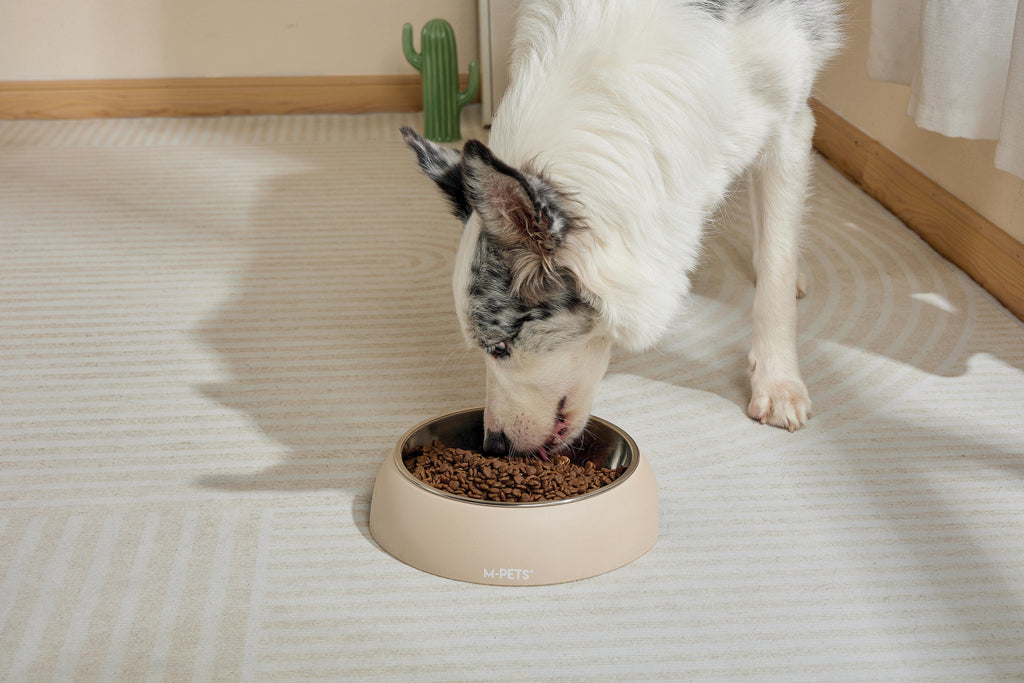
x=634, y=463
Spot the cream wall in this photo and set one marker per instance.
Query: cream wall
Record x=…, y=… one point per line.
x=98, y=39
x=964, y=167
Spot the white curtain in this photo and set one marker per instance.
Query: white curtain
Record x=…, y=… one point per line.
x=964, y=63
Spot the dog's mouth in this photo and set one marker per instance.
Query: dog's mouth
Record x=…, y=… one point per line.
x=556, y=442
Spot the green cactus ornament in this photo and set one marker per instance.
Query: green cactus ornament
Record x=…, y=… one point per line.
x=439, y=70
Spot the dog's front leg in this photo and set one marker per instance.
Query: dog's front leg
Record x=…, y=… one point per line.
x=778, y=190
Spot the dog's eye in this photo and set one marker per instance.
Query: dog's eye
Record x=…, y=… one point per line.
x=499, y=350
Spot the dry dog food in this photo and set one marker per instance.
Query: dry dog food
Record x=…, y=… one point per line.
x=495, y=478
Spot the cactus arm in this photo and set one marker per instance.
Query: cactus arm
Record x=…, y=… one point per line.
x=472, y=88
x=414, y=58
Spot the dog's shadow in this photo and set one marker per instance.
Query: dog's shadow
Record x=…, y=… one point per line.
x=340, y=334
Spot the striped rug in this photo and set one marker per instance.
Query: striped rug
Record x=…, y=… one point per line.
x=212, y=331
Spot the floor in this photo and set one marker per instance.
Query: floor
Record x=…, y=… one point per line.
x=212, y=331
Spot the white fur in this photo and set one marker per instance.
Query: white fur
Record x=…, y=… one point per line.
x=646, y=112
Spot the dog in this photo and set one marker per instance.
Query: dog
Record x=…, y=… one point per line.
x=624, y=127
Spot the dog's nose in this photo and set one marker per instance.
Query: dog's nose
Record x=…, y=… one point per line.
x=495, y=443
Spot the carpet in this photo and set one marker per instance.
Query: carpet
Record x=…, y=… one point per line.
x=212, y=332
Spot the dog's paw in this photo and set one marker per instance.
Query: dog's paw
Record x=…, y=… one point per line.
x=784, y=404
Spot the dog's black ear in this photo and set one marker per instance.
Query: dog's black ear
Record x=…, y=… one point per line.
x=442, y=165
x=520, y=208
x=523, y=213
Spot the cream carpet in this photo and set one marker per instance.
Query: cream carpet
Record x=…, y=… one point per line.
x=213, y=331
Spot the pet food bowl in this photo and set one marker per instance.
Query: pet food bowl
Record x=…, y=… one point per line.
x=534, y=543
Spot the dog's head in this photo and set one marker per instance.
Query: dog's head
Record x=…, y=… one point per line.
x=518, y=299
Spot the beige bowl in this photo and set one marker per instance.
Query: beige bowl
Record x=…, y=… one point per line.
x=515, y=543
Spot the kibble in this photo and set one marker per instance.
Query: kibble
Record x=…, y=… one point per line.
x=500, y=479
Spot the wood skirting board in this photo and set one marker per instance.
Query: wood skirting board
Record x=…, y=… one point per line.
x=959, y=233
x=210, y=96
x=963, y=236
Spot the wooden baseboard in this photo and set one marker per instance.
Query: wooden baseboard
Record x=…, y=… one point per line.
x=963, y=236
x=209, y=96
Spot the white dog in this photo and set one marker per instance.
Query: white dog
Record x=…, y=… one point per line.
x=622, y=130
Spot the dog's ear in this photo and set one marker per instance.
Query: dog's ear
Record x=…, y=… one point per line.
x=523, y=213
x=442, y=165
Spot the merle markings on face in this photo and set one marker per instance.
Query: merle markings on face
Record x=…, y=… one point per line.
x=502, y=321
x=515, y=280
x=516, y=298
